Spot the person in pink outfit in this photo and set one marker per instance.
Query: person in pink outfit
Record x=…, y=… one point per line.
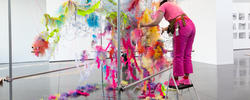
x=183, y=31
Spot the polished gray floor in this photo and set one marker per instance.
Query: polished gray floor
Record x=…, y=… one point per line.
x=225, y=82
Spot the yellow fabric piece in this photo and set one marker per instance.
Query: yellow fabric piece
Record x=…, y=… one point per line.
x=147, y=62
x=124, y=83
x=158, y=52
x=152, y=34
x=145, y=85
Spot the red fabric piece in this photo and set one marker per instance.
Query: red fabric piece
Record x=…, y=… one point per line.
x=185, y=77
x=39, y=46
x=133, y=4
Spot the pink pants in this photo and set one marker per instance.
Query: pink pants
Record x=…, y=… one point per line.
x=182, y=43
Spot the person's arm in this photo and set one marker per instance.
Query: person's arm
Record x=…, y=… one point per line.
x=155, y=22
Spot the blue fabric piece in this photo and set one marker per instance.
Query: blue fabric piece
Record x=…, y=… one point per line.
x=93, y=20
x=104, y=68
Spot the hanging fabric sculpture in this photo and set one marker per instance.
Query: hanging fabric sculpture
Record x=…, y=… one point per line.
x=143, y=46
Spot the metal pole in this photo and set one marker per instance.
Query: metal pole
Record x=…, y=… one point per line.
x=102, y=83
x=119, y=47
x=10, y=49
x=103, y=94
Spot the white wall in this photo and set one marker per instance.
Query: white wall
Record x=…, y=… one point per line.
x=4, y=31
x=71, y=44
x=26, y=25
x=72, y=49
x=202, y=12
x=26, y=18
x=224, y=32
x=213, y=21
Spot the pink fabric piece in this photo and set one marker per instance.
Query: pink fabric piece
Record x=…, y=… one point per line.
x=107, y=72
x=170, y=10
x=52, y=97
x=82, y=93
x=137, y=34
x=101, y=34
x=100, y=50
x=98, y=62
x=71, y=92
x=107, y=46
x=113, y=79
x=127, y=45
x=182, y=63
x=131, y=70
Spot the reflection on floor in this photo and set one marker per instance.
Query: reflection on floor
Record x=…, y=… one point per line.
x=226, y=82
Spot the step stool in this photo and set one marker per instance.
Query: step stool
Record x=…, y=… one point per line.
x=180, y=88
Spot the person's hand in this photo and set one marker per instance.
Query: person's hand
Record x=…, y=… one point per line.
x=165, y=29
x=162, y=31
x=141, y=25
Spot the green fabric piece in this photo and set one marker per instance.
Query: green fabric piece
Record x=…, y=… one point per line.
x=125, y=18
x=51, y=34
x=183, y=20
x=66, y=10
x=113, y=15
x=114, y=3
x=171, y=27
x=57, y=39
x=89, y=11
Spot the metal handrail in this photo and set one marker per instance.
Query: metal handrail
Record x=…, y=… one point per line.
x=41, y=73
